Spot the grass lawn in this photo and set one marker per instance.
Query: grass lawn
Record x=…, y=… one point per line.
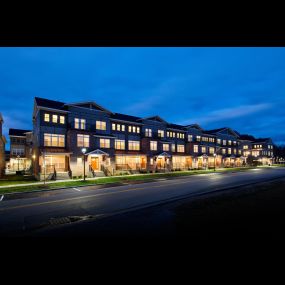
x=104, y=180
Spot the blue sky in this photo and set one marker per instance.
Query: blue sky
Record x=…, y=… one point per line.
x=242, y=88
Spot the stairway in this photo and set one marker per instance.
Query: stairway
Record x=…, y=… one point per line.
x=62, y=175
x=99, y=174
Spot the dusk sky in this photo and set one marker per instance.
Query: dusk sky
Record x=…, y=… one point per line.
x=241, y=88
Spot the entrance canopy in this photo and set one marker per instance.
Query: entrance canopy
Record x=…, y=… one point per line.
x=165, y=154
x=98, y=152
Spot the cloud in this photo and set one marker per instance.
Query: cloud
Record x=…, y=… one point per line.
x=228, y=113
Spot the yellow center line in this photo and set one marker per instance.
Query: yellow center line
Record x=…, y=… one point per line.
x=82, y=197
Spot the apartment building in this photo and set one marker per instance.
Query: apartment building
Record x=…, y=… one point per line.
x=20, y=150
x=115, y=142
x=2, y=147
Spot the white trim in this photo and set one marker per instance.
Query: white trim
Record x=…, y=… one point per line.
x=53, y=110
x=97, y=151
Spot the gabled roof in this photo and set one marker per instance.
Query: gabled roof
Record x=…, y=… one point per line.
x=155, y=118
x=194, y=126
x=123, y=117
x=215, y=131
x=18, y=132
x=89, y=105
x=42, y=102
x=175, y=126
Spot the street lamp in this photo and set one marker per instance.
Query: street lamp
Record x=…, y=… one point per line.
x=18, y=157
x=215, y=161
x=84, y=151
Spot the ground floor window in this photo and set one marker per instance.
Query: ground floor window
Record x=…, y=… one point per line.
x=54, y=162
x=181, y=162
x=130, y=162
x=19, y=164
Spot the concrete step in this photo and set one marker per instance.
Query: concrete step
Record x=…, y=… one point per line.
x=62, y=176
x=99, y=174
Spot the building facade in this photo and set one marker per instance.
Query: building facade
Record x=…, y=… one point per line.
x=117, y=143
x=2, y=147
x=20, y=150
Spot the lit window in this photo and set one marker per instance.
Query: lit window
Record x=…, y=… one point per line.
x=83, y=140
x=160, y=133
x=100, y=125
x=224, y=142
x=223, y=151
x=54, y=140
x=153, y=145
x=134, y=129
x=165, y=147
x=62, y=119
x=119, y=144
x=148, y=132
x=229, y=151
x=130, y=129
x=180, y=148
x=79, y=123
x=123, y=128
x=151, y=161
x=218, y=141
x=105, y=143
x=230, y=142
x=167, y=133
x=211, y=150
x=54, y=118
x=195, y=148
x=198, y=138
x=245, y=147
x=203, y=149
x=138, y=130
x=47, y=117
x=118, y=127
x=113, y=127
x=134, y=145
x=173, y=147
x=190, y=138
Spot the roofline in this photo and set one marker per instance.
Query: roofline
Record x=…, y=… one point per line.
x=88, y=102
x=148, y=118
x=124, y=121
x=52, y=109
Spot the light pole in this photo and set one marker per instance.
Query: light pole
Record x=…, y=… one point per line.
x=215, y=161
x=83, y=151
x=18, y=157
x=34, y=158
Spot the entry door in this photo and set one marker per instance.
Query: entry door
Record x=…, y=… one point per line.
x=95, y=163
x=159, y=162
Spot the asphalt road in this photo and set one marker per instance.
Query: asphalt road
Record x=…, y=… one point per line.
x=51, y=210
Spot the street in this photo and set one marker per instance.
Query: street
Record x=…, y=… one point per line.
x=55, y=209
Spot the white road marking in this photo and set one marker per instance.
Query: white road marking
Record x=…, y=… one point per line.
x=76, y=189
x=1, y=197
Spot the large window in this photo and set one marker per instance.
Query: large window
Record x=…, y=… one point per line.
x=79, y=123
x=105, y=143
x=118, y=127
x=134, y=145
x=224, y=142
x=160, y=133
x=134, y=129
x=165, y=147
x=47, y=117
x=153, y=145
x=148, y=132
x=54, y=140
x=203, y=149
x=100, y=125
x=173, y=147
x=195, y=148
x=180, y=148
x=229, y=151
x=198, y=138
x=83, y=140
x=119, y=144
x=190, y=138
x=18, y=151
x=211, y=150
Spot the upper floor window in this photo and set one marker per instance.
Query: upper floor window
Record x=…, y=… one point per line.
x=118, y=127
x=165, y=147
x=203, y=149
x=230, y=142
x=195, y=148
x=18, y=151
x=101, y=125
x=134, y=145
x=119, y=144
x=113, y=126
x=190, y=138
x=234, y=142
x=245, y=147
x=198, y=138
x=148, y=132
x=218, y=141
x=47, y=117
x=211, y=140
x=105, y=143
x=54, y=140
x=205, y=139
x=229, y=151
x=79, y=123
x=180, y=148
x=153, y=145
x=134, y=129
x=211, y=150
x=223, y=151
x=54, y=118
x=224, y=142
x=160, y=133
x=83, y=140
x=173, y=147
x=62, y=119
